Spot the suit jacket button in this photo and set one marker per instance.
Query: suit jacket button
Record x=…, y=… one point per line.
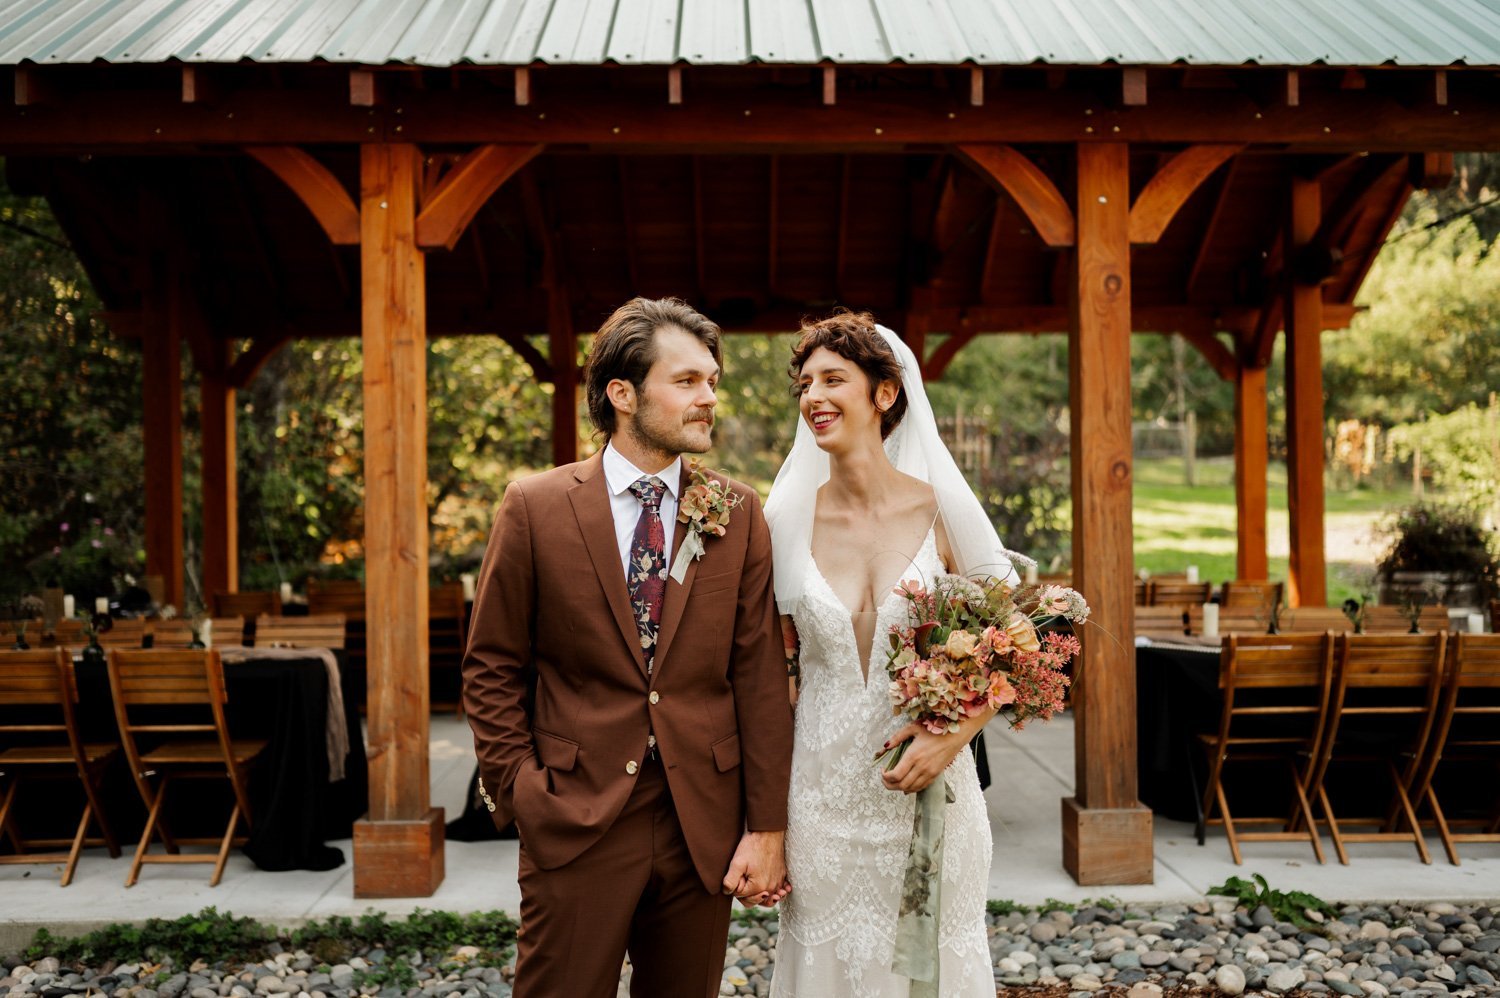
x=654, y=697
x=631, y=767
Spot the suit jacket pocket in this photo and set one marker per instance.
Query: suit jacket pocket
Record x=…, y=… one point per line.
x=707, y=584
x=727, y=752
x=554, y=751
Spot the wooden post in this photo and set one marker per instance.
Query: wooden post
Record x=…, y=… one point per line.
x=1303, y=311
x=221, y=542
x=161, y=385
x=1106, y=830
x=562, y=346
x=398, y=846
x=1251, y=455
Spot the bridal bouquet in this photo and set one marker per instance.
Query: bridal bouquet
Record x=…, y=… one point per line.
x=966, y=646
x=970, y=645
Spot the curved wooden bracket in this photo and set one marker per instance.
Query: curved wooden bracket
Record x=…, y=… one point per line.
x=249, y=363
x=316, y=187
x=935, y=366
x=464, y=190
x=1173, y=184
x=1033, y=191
x=1219, y=356
x=541, y=366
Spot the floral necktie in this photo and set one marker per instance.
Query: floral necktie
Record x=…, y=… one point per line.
x=647, y=578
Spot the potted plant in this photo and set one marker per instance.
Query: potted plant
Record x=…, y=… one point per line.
x=1440, y=552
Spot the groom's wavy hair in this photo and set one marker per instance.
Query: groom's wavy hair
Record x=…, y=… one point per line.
x=853, y=336
x=625, y=348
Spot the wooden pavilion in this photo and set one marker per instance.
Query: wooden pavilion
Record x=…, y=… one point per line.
x=238, y=173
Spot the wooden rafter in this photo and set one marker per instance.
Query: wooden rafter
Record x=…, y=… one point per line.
x=316, y=187
x=540, y=365
x=464, y=190
x=1167, y=191
x=254, y=224
x=1210, y=231
x=936, y=365
x=1024, y=181
x=1219, y=356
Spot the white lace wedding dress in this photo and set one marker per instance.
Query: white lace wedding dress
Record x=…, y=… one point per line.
x=847, y=835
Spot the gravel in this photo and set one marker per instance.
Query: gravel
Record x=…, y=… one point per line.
x=1207, y=948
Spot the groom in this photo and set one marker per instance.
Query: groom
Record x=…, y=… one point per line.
x=634, y=726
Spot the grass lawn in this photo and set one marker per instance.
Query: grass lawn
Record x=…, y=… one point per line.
x=1178, y=525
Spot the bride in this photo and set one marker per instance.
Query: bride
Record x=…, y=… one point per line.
x=869, y=497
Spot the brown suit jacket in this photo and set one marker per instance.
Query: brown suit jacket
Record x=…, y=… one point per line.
x=557, y=692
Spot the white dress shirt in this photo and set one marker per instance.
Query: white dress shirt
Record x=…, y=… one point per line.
x=620, y=475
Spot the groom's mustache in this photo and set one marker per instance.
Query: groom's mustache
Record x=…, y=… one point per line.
x=700, y=416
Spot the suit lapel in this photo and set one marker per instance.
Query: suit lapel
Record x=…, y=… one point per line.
x=596, y=522
x=677, y=593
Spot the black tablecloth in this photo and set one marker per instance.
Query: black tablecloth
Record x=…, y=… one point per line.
x=1176, y=698
x=296, y=809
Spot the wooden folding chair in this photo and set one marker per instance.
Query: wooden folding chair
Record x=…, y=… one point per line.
x=346, y=597
x=67, y=633
x=1393, y=678
x=1473, y=665
x=1232, y=620
x=1177, y=592
x=125, y=632
x=178, y=633
x=1160, y=621
x=1141, y=590
x=1291, y=675
x=1252, y=593
x=1314, y=620
x=36, y=748
x=325, y=630
x=248, y=605
x=1386, y=619
x=1495, y=616
x=447, y=629
x=153, y=679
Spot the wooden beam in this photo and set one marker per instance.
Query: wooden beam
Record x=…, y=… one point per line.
x=395, y=394
x=540, y=365
x=674, y=85
x=464, y=190
x=1032, y=189
x=198, y=87
x=1251, y=461
x=976, y=86
x=106, y=117
x=364, y=88
x=248, y=364
x=522, y=83
x=219, y=475
x=1440, y=87
x=830, y=86
x=316, y=187
x=1106, y=831
x=1133, y=86
x=161, y=425
x=1304, y=406
x=1292, y=88
x=1167, y=191
x=32, y=89
x=1431, y=171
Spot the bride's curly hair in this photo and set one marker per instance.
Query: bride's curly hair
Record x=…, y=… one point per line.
x=852, y=335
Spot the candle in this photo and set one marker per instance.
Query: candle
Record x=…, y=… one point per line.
x=467, y=578
x=1476, y=623
x=1192, y=573
x=206, y=635
x=68, y=607
x=1210, y=620
x=286, y=592
x=1031, y=575
x=101, y=604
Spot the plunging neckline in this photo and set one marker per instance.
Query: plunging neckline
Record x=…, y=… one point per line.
x=890, y=592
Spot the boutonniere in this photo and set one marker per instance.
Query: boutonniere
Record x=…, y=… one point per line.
x=705, y=508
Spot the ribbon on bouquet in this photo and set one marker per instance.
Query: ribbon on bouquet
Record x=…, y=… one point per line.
x=916, y=951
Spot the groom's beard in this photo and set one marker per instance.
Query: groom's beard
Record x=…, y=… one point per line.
x=656, y=429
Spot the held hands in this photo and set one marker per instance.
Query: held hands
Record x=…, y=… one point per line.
x=757, y=873
x=928, y=754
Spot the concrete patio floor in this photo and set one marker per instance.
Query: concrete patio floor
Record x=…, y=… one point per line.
x=1033, y=770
